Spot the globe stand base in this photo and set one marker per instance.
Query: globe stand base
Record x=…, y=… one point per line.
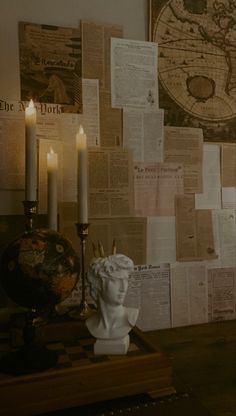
x=28, y=360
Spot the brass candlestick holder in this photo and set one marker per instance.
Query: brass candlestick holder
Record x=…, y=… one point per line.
x=84, y=310
x=30, y=211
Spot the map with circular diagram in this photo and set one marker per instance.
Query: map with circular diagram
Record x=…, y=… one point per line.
x=197, y=64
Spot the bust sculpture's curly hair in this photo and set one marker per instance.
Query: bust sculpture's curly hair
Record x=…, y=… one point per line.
x=104, y=267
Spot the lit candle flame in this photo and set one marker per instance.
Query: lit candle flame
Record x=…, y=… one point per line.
x=81, y=130
x=31, y=104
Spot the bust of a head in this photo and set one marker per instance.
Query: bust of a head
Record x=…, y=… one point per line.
x=108, y=277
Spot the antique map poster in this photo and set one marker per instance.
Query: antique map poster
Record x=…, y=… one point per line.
x=50, y=65
x=197, y=64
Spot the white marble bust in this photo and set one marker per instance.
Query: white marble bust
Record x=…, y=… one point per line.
x=112, y=321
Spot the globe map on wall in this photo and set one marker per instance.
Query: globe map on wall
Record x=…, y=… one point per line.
x=39, y=269
x=197, y=63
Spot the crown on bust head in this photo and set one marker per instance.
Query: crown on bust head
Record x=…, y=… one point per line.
x=98, y=250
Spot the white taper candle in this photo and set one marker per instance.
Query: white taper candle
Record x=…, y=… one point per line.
x=82, y=178
x=30, y=153
x=52, y=168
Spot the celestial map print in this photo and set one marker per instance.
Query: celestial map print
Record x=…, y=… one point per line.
x=197, y=64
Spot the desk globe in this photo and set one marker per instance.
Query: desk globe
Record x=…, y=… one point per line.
x=38, y=270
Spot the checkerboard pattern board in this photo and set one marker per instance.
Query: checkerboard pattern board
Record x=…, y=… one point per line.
x=77, y=352
x=80, y=352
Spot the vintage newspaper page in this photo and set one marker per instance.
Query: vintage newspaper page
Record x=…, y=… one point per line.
x=228, y=195
x=149, y=290
x=186, y=233
x=96, y=39
x=221, y=294
x=110, y=182
x=143, y=134
x=49, y=119
x=68, y=128
x=228, y=165
x=157, y=183
x=205, y=235
x=189, y=294
x=110, y=122
x=97, y=51
x=225, y=230
x=210, y=198
x=194, y=231
x=133, y=74
x=12, y=138
x=12, y=145
x=145, y=188
x=161, y=240
x=50, y=65
x=170, y=183
x=90, y=118
x=129, y=233
x=185, y=145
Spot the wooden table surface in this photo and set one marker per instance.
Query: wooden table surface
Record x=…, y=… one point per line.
x=204, y=362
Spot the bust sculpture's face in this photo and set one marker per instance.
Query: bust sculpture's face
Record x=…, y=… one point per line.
x=115, y=288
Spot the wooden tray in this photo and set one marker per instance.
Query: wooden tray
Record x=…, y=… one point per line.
x=81, y=378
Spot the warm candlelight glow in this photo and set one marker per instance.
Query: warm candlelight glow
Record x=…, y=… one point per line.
x=52, y=160
x=30, y=113
x=81, y=139
x=82, y=180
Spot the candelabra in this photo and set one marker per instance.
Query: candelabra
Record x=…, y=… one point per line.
x=84, y=310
